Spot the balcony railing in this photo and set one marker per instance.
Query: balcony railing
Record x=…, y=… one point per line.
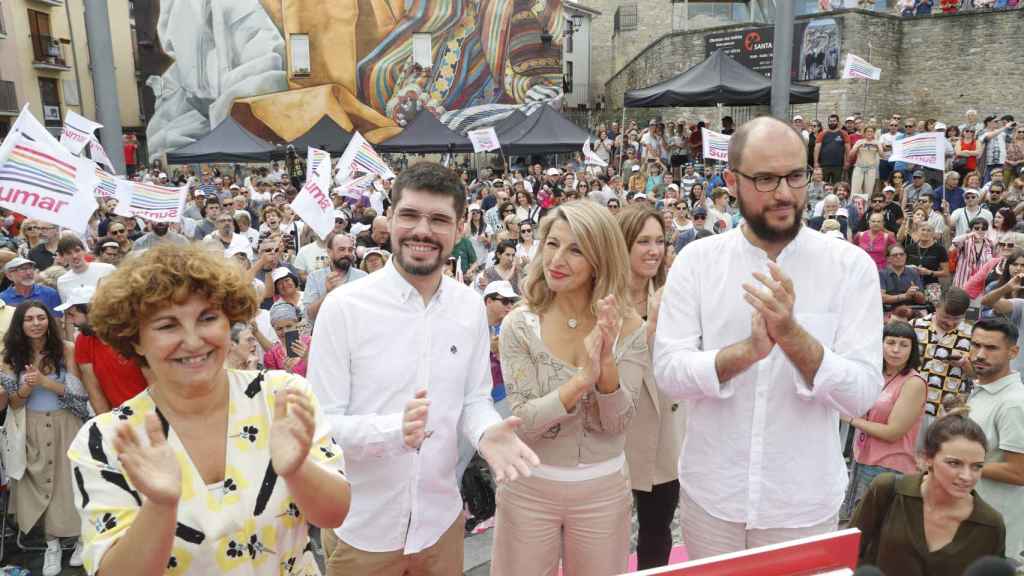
x=8, y=98
x=626, y=18
x=48, y=53
x=51, y=2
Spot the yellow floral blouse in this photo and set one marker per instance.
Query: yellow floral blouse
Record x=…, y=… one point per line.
x=245, y=525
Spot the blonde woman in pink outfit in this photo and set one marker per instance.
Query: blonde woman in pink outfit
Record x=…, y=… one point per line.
x=886, y=436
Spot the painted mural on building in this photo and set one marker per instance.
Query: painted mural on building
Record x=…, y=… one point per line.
x=230, y=57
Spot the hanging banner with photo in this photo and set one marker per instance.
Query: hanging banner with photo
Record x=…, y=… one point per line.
x=484, y=139
x=149, y=201
x=927, y=149
x=360, y=157
x=77, y=132
x=859, y=68
x=716, y=146
x=43, y=182
x=27, y=124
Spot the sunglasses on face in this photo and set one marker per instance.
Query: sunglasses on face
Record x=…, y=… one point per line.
x=979, y=228
x=1006, y=244
x=117, y=231
x=897, y=254
x=525, y=230
x=506, y=301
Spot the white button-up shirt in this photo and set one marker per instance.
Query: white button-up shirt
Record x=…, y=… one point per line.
x=374, y=345
x=763, y=448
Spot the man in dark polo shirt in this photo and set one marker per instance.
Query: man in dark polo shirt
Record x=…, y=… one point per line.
x=902, y=287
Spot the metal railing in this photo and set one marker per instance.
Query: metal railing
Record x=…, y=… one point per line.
x=626, y=18
x=48, y=50
x=8, y=97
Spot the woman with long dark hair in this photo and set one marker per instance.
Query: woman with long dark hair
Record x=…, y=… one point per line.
x=505, y=266
x=656, y=433
x=886, y=435
x=49, y=403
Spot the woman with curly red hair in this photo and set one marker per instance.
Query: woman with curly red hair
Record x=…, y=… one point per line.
x=236, y=463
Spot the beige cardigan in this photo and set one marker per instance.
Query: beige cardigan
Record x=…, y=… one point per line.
x=595, y=429
x=655, y=436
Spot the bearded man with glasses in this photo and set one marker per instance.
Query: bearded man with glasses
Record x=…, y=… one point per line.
x=769, y=351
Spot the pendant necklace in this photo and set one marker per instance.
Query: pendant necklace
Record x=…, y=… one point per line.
x=572, y=323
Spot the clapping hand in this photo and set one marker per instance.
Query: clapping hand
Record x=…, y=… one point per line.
x=414, y=420
x=601, y=339
x=507, y=455
x=152, y=469
x=291, y=433
x=774, y=300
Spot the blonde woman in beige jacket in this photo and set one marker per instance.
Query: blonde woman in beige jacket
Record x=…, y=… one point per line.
x=656, y=434
x=573, y=358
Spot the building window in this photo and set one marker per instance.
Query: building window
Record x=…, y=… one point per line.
x=567, y=80
x=569, y=30
x=422, y=50
x=39, y=27
x=3, y=27
x=299, y=54
x=626, y=18
x=49, y=93
x=727, y=11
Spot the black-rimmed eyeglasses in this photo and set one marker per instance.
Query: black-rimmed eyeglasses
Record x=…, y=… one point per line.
x=770, y=182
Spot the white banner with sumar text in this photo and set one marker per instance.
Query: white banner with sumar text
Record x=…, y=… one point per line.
x=927, y=149
x=716, y=146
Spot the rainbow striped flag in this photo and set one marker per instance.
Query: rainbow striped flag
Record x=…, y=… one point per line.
x=30, y=165
x=151, y=202
x=857, y=67
x=106, y=184
x=360, y=157
x=42, y=181
x=927, y=149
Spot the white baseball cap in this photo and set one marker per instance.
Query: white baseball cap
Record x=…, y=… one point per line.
x=553, y=172
x=279, y=273
x=78, y=295
x=501, y=288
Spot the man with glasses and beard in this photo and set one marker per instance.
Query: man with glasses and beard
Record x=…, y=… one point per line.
x=341, y=252
x=400, y=364
x=769, y=351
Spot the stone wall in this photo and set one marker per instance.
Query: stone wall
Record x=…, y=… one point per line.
x=932, y=67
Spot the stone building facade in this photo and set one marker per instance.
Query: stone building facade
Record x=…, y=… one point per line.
x=932, y=67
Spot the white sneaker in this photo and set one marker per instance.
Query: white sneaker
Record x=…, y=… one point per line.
x=51, y=558
x=76, y=556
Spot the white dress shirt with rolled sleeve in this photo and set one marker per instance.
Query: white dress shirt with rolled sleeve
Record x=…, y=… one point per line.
x=763, y=448
x=374, y=345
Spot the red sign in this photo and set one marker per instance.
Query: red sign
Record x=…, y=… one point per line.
x=815, y=555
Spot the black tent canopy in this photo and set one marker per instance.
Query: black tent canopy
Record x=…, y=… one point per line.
x=426, y=134
x=228, y=142
x=326, y=135
x=717, y=80
x=543, y=131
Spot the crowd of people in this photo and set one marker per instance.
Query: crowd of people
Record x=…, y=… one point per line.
x=774, y=347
